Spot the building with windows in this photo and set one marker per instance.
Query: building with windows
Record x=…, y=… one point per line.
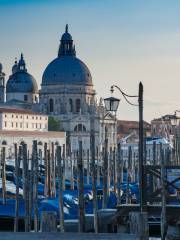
x=19, y=126
x=67, y=93
x=22, y=120
x=165, y=126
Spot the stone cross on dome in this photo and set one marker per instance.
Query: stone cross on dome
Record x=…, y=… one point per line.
x=66, y=29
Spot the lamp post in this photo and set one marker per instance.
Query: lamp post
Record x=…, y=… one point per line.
x=111, y=104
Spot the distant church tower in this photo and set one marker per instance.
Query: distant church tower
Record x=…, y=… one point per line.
x=2, y=84
x=21, y=86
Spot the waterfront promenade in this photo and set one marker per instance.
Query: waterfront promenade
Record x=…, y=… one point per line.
x=65, y=236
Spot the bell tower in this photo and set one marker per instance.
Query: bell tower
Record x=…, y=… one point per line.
x=2, y=84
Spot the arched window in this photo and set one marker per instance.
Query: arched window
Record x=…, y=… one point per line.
x=51, y=105
x=4, y=142
x=78, y=105
x=80, y=128
x=71, y=105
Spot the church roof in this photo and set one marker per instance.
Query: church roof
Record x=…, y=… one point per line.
x=40, y=134
x=66, y=68
x=18, y=110
x=21, y=81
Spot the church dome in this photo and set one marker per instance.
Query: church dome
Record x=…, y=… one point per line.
x=21, y=81
x=67, y=68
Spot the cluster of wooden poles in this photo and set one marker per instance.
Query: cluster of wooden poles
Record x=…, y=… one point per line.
x=54, y=168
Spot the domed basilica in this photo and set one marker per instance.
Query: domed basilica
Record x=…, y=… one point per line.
x=66, y=93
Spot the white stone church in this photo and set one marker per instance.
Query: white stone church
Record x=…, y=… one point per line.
x=67, y=93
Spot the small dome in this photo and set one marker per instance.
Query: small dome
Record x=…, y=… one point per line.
x=66, y=37
x=21, y=82
x=67, y=70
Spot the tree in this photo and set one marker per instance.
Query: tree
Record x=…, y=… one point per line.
x=53, y=124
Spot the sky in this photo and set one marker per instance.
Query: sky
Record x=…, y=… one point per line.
x=122, y=42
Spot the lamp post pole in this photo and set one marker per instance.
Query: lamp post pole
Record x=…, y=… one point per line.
x=141, y=216
x=141, y=155
x=94, y=174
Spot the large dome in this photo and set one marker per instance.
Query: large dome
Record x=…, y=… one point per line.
x=21, y=81
x=67, y=68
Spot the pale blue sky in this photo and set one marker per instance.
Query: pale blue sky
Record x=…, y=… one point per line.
x=121, y=41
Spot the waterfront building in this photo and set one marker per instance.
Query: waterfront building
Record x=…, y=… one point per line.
x=23, y=126
x=152, y=149
x=67, y=94
x=22, y=120
x=165, y=126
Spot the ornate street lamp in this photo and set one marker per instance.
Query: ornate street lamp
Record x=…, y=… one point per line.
x=111, y=104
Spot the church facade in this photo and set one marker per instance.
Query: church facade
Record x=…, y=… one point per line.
x=66, y=93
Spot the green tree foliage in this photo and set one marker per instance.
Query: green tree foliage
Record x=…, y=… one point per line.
x=53, y=124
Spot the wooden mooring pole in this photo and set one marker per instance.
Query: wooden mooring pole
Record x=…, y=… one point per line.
x=45, y=170
x=128, y=175
x=119, y=166
x=163, y=195
x=72, y=170
x=53, y=172
x=81, y=190
x=115, y=170
x=18, y=155
x=26, y=187
x=60, y=187
x=98, y=165
x=64, y=165
x=3, y=160
x=94, y=178
x=35, y=185
x=48, y=174
x=88, y=167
